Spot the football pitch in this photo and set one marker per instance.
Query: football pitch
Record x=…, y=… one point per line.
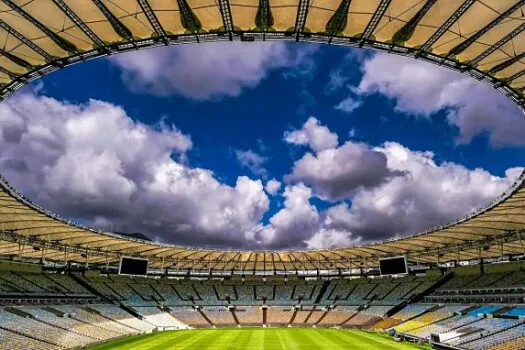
x=259, y=339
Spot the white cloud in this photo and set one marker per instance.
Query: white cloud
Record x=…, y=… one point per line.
x=299, y=224
x=336, y=81
x=253, y=161
x=331, y=238
x=393, y=191
x=318, y=137
x=426, y=195
x=336, y=173
x=294, y=223
x=94, y=162
x=205, y=71
x=422, y=89
x=272, y=187
x=348, y=105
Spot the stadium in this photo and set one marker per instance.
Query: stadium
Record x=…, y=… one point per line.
x=458, y=286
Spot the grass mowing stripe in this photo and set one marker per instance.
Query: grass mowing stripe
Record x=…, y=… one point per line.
x=226, y=342
x=280, y=338
x=259, y=339
x=209, y=338
x=320, y=339
x=347, y=338
x=147, y=344
x=244, y=340
x=294, y=338
x=151, y=342
x=269, y=338
x=380, y=341
x=172, y=341
x=122, y=341
x=188, y=344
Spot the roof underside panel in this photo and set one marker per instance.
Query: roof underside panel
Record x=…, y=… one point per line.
x=168, y=14
x=49, y=15
x=93, y=17
x=130, y=15
x=17, y=48
x=244, y=13
x=396, y=16
x=208, y=13
x=436, y=16
x=31, y=31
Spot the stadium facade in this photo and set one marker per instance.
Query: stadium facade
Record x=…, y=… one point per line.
x=483, y=39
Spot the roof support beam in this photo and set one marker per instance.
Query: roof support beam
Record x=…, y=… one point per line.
x=218, y=261
x=341, y=256
x=515, y=76
x=23, y=210
x=429, y=239
x=72, y=241
x=374, y=21
x=365, y=250
x=124, y=245
x=404, y=243
x=291, y=261
x=247, y=261
x=255, y=262
x=465, y=44
x=338, y=21
x=117, y=25
x=300, y=20
x=314, y=262
x=153, y=20
x=20, y=221
x=188, y=18
x=460, y=232
x=507, y=63
x=446, y=26
x=15, y=59
x=476, y=226
x=507, y=207
x=26, y=41
x=236, y=260
x=282, y=262
x=497, y=45
x=264, y=18
x=79, y=23
x=226, y=14
x=52, y=227
x=405, y=33
x=61, y=42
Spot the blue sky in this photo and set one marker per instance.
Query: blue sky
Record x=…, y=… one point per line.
x=341, y=130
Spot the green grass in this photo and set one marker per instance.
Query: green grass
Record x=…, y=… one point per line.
x=259, y=339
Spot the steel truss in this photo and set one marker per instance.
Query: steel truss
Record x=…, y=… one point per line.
x=299, y=260
x=153, y=20
x=446, y=26
x=501, y=85
x=374, y=21
x=300, y=21
x=58, y=40
x=60, y=252
x=79, y=23
x=464, y=45
x=26, y=41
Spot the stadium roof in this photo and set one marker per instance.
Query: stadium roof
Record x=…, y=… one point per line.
x=484, y=39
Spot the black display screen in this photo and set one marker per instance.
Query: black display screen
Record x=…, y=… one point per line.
x=131, y=266
x=393, y=266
